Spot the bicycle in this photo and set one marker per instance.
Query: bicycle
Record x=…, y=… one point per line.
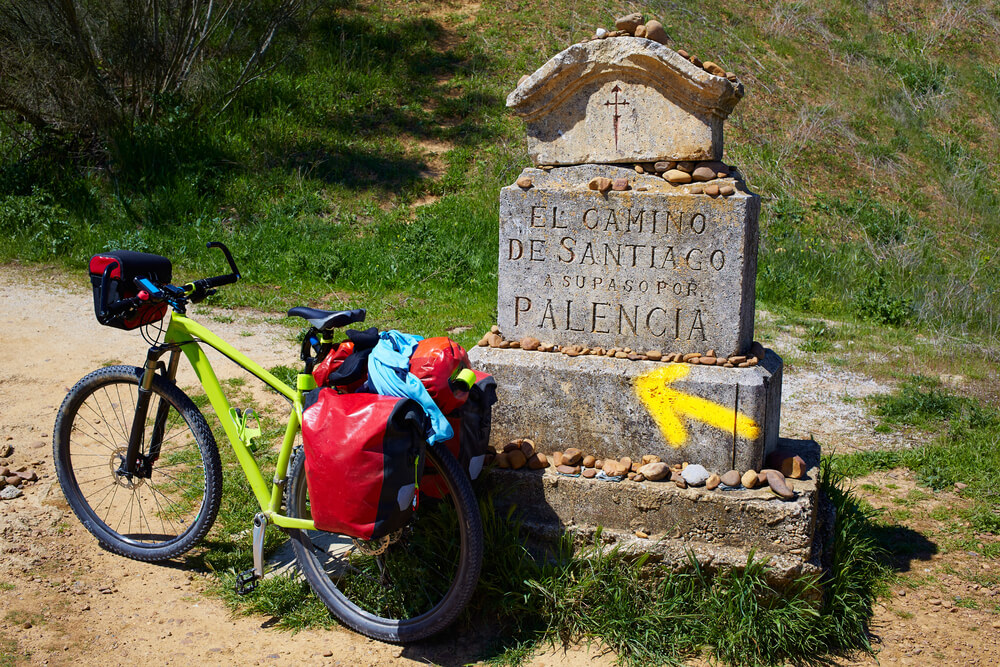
x=141, y=469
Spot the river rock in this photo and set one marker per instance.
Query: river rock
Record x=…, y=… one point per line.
x=712, y=482
x=662, y=166
x=590, y=473
x=794, y=467
x=629, y=22
x=712, y=68
x=640, y=31
x=14, y=480
x=572, y=456
x=731, y=478
x=703, y=174
x=569, y=470
x=524, y=182
x=727, y=190
x=589, y=461
x=600, y=183
x=655, y=471
x=749, y=479
x=557, y=459
x=501, y=460
x=650, y=458
x=677, y=176
x=619, y=184
x=538, y=462
x=656, y=32
x=517, y=459
x=626, y=463
x=695, y=474
x=776, y=481
x=530, y=343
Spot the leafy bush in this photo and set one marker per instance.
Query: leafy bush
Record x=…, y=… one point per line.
x=877, y=302
x=97, y=67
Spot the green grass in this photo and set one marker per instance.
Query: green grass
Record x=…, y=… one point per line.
x=871, y=140
x=965, y=450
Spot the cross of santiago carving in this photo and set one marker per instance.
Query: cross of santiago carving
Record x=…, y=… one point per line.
x=614, y=105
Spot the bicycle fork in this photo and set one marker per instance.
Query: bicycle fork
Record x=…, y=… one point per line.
x=135, y=463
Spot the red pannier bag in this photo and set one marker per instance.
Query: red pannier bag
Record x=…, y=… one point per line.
x=364, y=453
x=126, y=266
x=471, y=424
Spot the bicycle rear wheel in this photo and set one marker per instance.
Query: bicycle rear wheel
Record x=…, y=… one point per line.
x=409, y=585
x=153, y=515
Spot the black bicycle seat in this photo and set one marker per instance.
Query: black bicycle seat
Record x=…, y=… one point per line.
x=328, y=319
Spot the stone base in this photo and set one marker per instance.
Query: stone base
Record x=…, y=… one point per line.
x=592, y=403
x=719, y=527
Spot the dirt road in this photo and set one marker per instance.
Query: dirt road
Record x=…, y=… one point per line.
x=64, y=601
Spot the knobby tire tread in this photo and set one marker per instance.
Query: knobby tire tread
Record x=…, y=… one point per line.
x=469, y=568
x=193, y=419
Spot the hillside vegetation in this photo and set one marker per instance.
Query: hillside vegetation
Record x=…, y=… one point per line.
x=366, y=167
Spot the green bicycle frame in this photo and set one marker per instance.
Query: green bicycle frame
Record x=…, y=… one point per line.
x=188, y=336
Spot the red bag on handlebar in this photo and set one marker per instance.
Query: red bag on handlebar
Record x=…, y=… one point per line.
x=364, y=453
x=126, y=266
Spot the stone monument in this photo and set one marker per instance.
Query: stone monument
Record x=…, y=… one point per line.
x=627, y=266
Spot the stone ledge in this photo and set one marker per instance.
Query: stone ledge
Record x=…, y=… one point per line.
x=719, y=527
x=591, y=403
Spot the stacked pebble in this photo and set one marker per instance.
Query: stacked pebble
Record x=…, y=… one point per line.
x=521, y=453
x=632, y=25
x=674, y=172
x=708, y=358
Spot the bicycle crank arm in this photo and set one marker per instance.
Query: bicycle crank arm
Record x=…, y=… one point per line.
x=246, y=581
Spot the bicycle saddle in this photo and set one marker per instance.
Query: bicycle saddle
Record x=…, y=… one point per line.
x=328, y=319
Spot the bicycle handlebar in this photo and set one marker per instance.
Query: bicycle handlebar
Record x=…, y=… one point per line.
x=198, y=289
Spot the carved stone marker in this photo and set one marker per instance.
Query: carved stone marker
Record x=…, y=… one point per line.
x=657, y=268
x=601, y=256
x=623, y=100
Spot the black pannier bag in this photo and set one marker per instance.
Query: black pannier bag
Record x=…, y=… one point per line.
x=470, y=444
x=122, y=268
x=364, y=456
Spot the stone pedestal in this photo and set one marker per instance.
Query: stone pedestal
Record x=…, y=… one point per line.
x=594, y=404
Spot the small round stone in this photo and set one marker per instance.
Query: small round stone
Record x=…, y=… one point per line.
x=702, y=173
x=524, y=182
x=677, y=176
x=640, y=31
x=600, y=184
x=629, y=22
x=749, y=479
x=727, y=190
x=600, y=32
x=619, y=184
x=712, y=482
x=697, y=189
x=731, y=478
x=712, y=68
x=663, y=166
x=712, y=190
x=683, y=54
x=695, y=474
x=696, y=61
x=589, y=473
x=656, y=32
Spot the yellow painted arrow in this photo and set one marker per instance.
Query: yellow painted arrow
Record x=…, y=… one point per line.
x=668, y=406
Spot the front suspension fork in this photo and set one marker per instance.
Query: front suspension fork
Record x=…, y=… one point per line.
x=135, y=462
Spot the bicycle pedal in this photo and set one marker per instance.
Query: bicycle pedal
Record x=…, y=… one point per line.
x=246, y=582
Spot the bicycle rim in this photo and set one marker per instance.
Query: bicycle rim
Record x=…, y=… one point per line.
x=137, y=513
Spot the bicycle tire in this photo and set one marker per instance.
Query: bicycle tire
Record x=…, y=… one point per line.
x=335, y=588
x=89, y=438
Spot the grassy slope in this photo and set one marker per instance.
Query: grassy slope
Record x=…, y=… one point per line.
x=869, y=129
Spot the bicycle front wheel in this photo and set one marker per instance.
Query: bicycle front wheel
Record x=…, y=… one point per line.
x=408, y=585
x=156, y=513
